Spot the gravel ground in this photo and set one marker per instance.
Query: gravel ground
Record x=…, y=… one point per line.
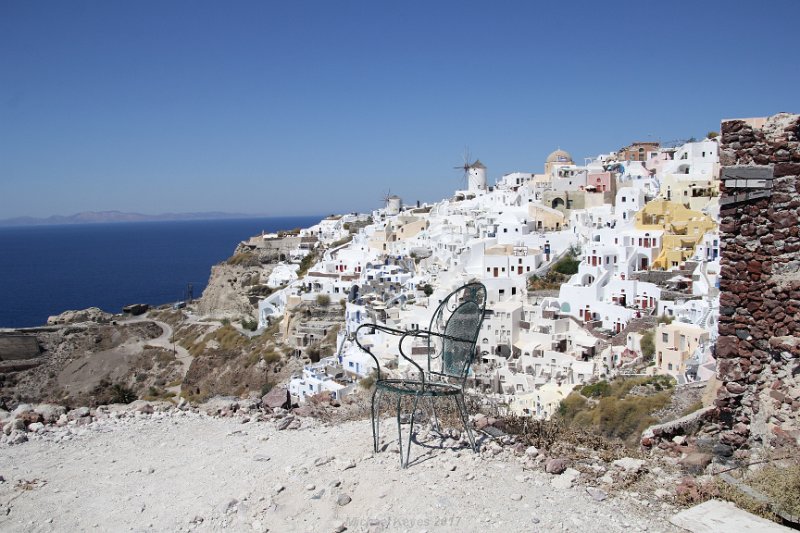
x=186, y=471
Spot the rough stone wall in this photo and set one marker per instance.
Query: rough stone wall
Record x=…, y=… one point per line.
x=758, y=351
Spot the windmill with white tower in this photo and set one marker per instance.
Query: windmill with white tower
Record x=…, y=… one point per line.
x=474, y=173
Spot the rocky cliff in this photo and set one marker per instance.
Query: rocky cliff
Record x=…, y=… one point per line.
x=237, y=284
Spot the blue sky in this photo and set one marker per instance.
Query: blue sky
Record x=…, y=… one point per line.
x=283, y=108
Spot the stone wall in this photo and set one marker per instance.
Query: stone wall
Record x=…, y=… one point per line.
x=758, y=351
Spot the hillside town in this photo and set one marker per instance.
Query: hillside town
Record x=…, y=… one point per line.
x=592, y=270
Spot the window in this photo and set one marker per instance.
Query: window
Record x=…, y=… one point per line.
x=665, y=337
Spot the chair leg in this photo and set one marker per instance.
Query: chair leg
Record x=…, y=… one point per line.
x=399, y=431
x=376, y=421
x=410, y=431
x=462, y=409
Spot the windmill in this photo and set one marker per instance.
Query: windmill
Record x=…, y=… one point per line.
x=464, y=167
x=386, y=197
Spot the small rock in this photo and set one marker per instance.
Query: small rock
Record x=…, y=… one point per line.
x=311, y=487
x=278, y=489
x=629, y=464
x=516, y=497
x=597, y=495
x=343, y=499
x=556, y=466
x=696, y=463
x=283, y=423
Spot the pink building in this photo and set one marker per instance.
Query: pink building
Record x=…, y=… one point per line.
x=601, y=181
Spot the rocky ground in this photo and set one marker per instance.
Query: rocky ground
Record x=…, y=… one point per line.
x=234, y=465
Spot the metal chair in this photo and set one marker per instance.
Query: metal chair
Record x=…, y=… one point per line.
x=450, y=343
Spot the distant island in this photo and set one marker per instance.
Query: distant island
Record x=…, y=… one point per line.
x=104, y=217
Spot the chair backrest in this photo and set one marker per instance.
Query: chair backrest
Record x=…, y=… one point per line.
x=460, y=315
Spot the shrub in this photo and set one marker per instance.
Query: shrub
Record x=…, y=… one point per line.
x=648, y=344
x=601, y=388
x=567, y=265
x=247, y=259
x=122, y=394
x=249, y=324
x=271, y=356
x=427, y=289
x=616, y=414
x=323, y=300
x=306, y=263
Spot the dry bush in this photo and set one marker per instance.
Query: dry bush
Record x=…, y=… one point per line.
x=781, y=484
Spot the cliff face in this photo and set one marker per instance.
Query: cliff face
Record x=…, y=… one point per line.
x=235, y=286
x=234, y=290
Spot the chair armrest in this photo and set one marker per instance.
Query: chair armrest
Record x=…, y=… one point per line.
x=407, y=334
x=426, y=333
x=374, y=327
x=385, y=329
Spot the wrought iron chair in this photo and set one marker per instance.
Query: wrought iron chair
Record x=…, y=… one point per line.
x=450, y=344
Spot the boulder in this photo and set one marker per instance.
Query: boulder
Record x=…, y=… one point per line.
x=219, y=405
x=80, y=412
x=92, y=314
x=696, y=462
x=50, y=413
x=277, y=398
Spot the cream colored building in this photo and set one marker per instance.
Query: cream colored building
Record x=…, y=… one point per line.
x=675, y=343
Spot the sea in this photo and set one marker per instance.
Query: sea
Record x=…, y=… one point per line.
x=45, y=270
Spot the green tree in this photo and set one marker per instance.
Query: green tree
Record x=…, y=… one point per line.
x=648, y=344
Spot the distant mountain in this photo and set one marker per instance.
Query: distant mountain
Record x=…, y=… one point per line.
x=105, y=217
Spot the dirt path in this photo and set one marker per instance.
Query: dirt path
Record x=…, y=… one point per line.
x=165, y=341
x=179, y=471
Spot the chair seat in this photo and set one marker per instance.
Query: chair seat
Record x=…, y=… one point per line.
x=418, y=388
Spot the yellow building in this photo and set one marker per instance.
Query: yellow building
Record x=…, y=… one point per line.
x=401, y=228
x=675, y=343
x=541, y=403
x=545, y=218
x=683, y=230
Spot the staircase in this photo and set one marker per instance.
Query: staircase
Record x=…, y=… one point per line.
x=635, y=325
